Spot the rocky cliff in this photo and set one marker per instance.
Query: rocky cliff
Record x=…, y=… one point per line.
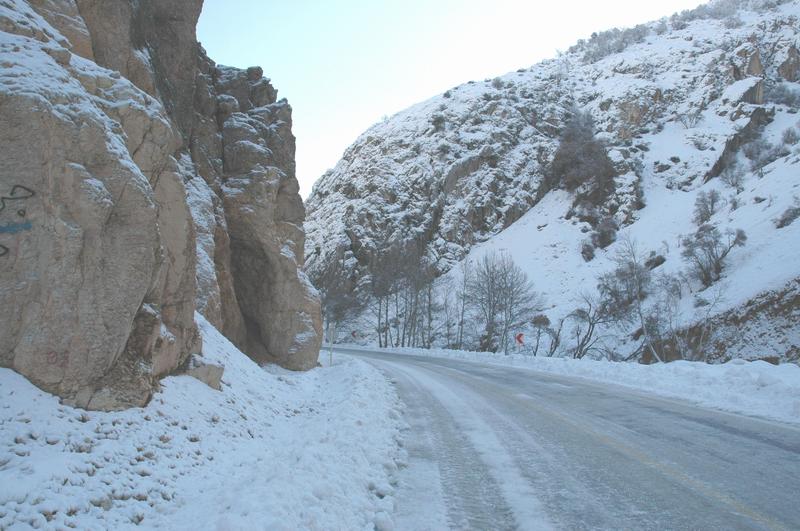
x=140, y=183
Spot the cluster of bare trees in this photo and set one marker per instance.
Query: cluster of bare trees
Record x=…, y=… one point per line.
x=632, y=296
x=338, y=298
x=492, y=299
x=482, y=308
x=403, y=294
x=501, y=298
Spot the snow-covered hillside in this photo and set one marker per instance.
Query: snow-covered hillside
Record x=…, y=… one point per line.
x=273, y=449
x=706, y=100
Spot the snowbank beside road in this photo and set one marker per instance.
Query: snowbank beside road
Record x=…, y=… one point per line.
x=273, y=450
x=751, y=388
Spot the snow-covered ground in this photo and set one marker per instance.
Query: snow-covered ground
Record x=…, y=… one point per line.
x=750, y=388
x=272, y=450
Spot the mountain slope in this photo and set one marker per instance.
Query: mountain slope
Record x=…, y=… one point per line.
x=679, y=105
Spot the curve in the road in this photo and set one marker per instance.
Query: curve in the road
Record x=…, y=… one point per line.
x=518, y=449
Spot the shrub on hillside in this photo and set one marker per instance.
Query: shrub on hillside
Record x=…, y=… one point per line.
x=605, y=233
x=783, y=94
x=789, y=215
x=582, y=160
x=705, y=206
x=761, y=153
x=587, y=251
x=706, y=249
x=733, y=176
x=791, y=136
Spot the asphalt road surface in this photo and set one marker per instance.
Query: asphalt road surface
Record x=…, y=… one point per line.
x=492, y=447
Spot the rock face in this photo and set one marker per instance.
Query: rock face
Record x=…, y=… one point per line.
x=264, y=218
x=790, y=67
x=140, y=183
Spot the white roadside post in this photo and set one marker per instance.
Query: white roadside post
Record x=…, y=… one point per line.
x=332, y=332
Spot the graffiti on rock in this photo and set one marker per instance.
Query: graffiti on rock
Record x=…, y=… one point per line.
x=18, y=193
x=59, y=359
x=13, y=228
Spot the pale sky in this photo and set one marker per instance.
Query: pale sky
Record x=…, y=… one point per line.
x=344, y=64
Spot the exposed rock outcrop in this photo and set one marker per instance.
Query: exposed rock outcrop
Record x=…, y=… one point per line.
x=132, y=196
x=790, y=68
x=244, y=149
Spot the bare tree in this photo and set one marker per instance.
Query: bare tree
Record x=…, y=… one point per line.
x=414, y=281
x=429, y=307
x=705, y=251
x=462, y=299
x=380, y=289
x=624, y=290
x=503, y=296
x=338, y=299
x=587, y=318
x=555, y=337
x=733, y=176
x=517, y=299
x=789, y=215
x=691, y=117
x=677, y=337
x=541, y=323
x=449, y=313
x=762, y=153
x=705, y=206
x=390, y=270
x=484, y=296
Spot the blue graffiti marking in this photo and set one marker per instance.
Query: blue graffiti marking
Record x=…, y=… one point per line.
x=18, y=193
x=13, y=228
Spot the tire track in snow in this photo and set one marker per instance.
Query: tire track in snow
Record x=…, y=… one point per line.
x=479, y=476
x=595, y=504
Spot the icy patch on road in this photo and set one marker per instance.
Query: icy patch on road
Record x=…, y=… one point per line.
x=752, y=388
x=272, y=450
x=515, y=490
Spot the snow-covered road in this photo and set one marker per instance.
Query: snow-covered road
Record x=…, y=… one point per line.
x=504, y=448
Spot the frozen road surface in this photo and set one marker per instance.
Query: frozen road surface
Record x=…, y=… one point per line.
x=506, y=448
